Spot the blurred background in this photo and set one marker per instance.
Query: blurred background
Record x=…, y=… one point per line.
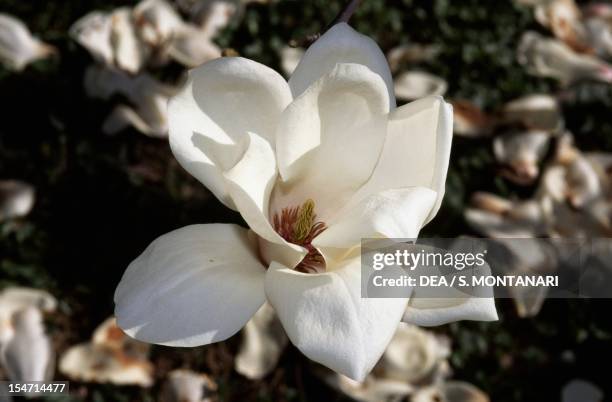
x=87, y=181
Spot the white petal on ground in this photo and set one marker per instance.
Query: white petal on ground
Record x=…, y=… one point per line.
x=263, y=342
x=27, y=355
x=416, y=151
x=452, y=391
x=187, y=386
x=216, y=16
x=290, y=58
x=581, y=391
x=547, y=57
x=15, y=299
x=326, y=318
x=411, y=53
x=93, y=31
x=521, y=152
x=565, y=20
x=16, y=199
x=129, y=52
x=471, y=121
x=111, y=357
x=396, y=213
x=536, y=111
x=149, y=113
x=209, y=119
x=497, y=217
x=412, y=85
x=340, y=44
x=18, y=47
x=193, y=286
x=348, y=106
x=156, y=21
x=191, y=47
x=371, y=389
x=414, y=355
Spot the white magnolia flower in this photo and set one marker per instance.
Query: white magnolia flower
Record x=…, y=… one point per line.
x=16, y=199
x=263, y=342
x=313, y=166
x=111, y=357
x=452, y=391
x=411, y=85
x=521, y=153
x=187, y=386
x=147, y=111
x=27, y=355
x=548, y=57
x=18, y=47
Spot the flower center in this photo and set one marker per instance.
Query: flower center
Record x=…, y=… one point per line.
x=298, y=225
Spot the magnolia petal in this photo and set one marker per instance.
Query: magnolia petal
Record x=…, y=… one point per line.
x=100, y=364
x=578, y=390
x=209, y=119
x=18, y=47
x=28, y=355
x=372, y=389
x=326, y=318
x=451, y=391
x=156, y=20
x=193, y=286
x=191, y=47
x=128, y=51
x=290, y=58
x=16, y=199
x=340, y=44
x=412, y=85
x=346, y=106
x=263, y=342
x=397, y=213
x=431, y=306
x=416, y=151
x=438, y=311
x=521, y=152
x=414, y=355
x=250, y=183
x=93, y=32
x=187, y=386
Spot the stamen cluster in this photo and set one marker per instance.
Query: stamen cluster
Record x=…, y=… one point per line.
x=298, y=225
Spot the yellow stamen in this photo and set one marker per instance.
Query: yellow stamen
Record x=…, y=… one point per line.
x=304, y=221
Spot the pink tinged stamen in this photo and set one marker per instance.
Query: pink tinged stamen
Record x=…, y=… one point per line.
x=298, y=225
